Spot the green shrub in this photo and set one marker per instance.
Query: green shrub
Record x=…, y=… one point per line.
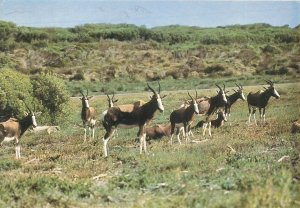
x=14, y=86
x=52, y=93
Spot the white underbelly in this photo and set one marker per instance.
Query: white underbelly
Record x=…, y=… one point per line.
x=179, y=125
x=124, y=126
x=8, y=139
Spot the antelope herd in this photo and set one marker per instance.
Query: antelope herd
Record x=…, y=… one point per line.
x=139, y=114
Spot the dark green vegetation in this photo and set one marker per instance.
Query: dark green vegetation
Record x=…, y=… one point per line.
x=59, y=170
x=101, y=53
x=44, y=92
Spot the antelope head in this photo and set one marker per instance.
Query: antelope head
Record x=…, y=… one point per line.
x=157, y=98
x=240, y=92
x=271, y=89
x=194, y=103
x=222, y=93
x=85, y=99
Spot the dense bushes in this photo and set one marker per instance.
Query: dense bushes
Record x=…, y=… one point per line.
x=44, y=93
x=53, y=95
x=174, y=34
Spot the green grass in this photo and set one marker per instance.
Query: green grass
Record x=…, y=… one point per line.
x=59, y=170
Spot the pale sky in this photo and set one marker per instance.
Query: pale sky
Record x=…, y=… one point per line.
x=68, y=13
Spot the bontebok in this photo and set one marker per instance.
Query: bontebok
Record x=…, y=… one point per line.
x=260, y=100
x=139, y=117
x=13, y=129
x=88, y=115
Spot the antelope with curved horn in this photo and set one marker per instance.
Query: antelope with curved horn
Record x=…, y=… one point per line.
x=88, y=115
x=183, y=117
x=260, y=100
x=111, y=100
x=13, y=129
x=139, y=116
x=210, y=105
x=231, y=99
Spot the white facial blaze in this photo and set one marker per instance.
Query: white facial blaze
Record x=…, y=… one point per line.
x=243, y=96
x=33, y=121
x=276, y=93
x=87, y=103
x=159, y=103
x=196, y=108
x=224, y=97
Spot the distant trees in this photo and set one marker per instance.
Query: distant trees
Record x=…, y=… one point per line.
x=174, y=34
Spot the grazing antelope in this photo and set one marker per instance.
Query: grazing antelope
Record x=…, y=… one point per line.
x=88, y=115
x=139, y=116
x=260, y=100
x=158, y=131
x=218, y=122
x=208, y=107
x=231, y=99
x=183, y=116
x=13, y=129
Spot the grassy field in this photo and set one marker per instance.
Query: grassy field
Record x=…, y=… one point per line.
x=59, y=170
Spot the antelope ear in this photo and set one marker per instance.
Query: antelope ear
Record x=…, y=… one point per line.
x=217, y=91
x=234, y=90
x=189, y=102
x=116, y=100
x=162, y=97
x=227, y=91
x=150, y=96
x=80, y=98
x=26, y=113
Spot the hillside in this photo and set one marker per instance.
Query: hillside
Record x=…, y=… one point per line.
x=102, y=52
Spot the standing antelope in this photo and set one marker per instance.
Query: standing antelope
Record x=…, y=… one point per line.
x=13, y=129
x=88, y=115
x=139, y=116
x=208, y=106
x=183, y=117
x=231, y=99
x=260, y=100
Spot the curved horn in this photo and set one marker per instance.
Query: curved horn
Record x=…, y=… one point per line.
x=151, y=88
x=158, y=87
x=113, y=96
x=196, y=94
x=26, y=106
x=272, y=83
x=81, y=92
x=190, y=96
x=219, y=87
x=107, y=96
x=224, y=87
x=238, y=86
x=269, y=82
x=87, y=92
